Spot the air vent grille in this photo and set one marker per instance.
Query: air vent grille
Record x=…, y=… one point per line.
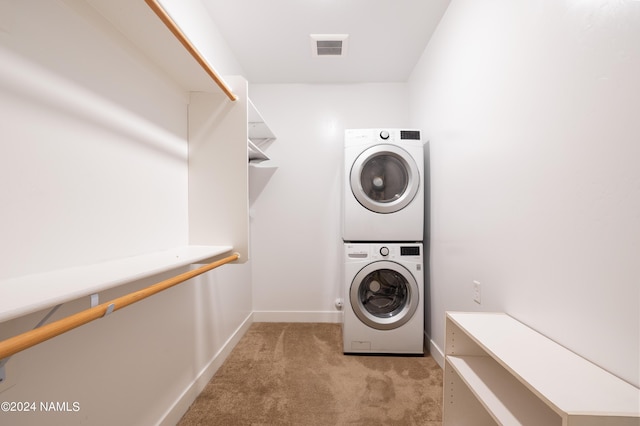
x=329, y=44
x=329, y=47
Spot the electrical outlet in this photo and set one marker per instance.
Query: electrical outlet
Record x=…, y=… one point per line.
x=476, y=292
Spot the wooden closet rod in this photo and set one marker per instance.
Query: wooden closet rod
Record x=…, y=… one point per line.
x=182, y=38
x=31, y=338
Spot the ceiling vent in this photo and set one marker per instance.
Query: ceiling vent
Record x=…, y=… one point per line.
x=329, y=44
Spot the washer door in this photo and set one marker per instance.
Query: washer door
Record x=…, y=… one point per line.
x=384, y=295
x=384, y=178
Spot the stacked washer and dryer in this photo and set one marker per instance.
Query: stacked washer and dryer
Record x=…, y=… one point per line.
x=382, y=231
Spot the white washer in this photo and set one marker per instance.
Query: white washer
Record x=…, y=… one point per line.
x=383, y=298
x=383, y=189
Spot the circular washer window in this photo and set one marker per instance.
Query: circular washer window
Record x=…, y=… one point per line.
x=384, y=295
x=384, y=178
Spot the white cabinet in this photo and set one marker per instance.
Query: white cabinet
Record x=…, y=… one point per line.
x=499, y=371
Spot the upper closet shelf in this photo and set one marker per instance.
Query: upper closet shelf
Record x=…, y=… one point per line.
x=31, y=293
x=137, y=22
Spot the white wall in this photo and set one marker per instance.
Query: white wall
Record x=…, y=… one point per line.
x=531, y=111
x=296, y=232
x=93, y=164
x=74, y=145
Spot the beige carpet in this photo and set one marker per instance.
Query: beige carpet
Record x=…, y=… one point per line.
x=296, y=374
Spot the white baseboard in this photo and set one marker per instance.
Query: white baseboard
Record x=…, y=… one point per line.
x=436, y=353
x=182, y=404
x=297, y=316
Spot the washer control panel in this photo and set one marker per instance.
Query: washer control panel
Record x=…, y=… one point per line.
x=409, y=250
x=381, y=251
x=357, y=251
x=358, y=137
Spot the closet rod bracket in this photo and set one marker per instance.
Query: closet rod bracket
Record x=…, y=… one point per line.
x=109, y=309
x=3, y=361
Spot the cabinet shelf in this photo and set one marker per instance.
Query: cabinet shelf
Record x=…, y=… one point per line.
x=504, y=399
x=260, y=136
x=256, y=155
x=31, y=293
x=519, y=376
x=259, y=132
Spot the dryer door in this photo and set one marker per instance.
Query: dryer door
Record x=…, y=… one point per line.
x=384, y=178
x=384, y=295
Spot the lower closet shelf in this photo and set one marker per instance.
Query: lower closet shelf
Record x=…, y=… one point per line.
x=507, y=400
x=31, y=293
x=500, y=371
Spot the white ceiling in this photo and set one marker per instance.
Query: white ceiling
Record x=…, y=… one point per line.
x=271, y=39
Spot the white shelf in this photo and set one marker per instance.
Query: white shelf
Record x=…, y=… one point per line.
x=27, y=294
x=501, y=394
x=259, y=132
x=505, y=363
x=260, y=136
x=255, y=154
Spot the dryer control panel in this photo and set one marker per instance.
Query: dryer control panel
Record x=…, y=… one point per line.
x=410, y=134
x=356, y=137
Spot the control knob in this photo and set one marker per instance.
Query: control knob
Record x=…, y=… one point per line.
x=384, y=251
x=384, y=135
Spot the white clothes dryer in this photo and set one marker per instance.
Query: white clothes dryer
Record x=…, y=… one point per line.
x=383, y=298
x=383, y=185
